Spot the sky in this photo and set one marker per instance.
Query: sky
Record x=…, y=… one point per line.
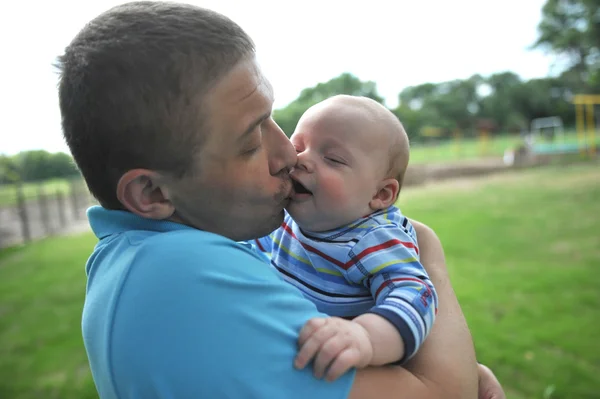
x=396, y=43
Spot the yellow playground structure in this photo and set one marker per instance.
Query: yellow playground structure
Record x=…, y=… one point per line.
x=586, y=123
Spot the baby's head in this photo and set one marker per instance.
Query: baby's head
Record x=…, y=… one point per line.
x=352, y=156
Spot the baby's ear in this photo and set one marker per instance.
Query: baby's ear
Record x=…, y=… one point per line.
x=386, y=194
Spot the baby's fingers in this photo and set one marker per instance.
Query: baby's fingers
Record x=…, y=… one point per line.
x=309, y=329
x=329, y=351
x=313, y=344
x=350, y=357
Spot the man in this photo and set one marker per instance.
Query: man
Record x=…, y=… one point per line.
x=169, y=119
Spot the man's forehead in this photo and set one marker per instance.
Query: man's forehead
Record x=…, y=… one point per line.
x=244, y=81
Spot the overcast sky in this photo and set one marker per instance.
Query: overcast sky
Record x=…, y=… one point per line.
x=396, y=43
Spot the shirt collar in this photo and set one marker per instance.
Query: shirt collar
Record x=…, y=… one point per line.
x=105, y=222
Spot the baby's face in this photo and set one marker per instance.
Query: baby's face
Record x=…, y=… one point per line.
x=341, y=161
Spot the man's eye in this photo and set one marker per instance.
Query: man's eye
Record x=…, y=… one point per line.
x=252, y=150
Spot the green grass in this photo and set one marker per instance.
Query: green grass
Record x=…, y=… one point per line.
x=8, y=192
x=472, y=148
x=523, y=252
x=42, y=289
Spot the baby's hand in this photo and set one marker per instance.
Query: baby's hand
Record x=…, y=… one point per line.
x=338, y=345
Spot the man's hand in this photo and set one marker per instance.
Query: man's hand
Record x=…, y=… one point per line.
x=338, y=345
x=489, y=386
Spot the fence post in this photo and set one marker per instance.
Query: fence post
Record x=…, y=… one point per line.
x=74, y=200
x=60, y=203
x=23, y=217
x=44, y=215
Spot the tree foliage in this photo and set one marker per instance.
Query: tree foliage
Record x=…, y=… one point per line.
x=571, y=28
x=36, y=165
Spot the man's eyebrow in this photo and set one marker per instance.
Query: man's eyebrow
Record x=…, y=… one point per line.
x=254, y=124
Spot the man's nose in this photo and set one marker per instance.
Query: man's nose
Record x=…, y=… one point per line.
x=282, y=155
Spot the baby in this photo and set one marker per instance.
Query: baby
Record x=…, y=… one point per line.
x=346, y=246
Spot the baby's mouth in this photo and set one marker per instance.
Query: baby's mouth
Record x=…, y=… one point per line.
x=299, y=187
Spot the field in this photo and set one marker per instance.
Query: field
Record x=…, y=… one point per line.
x=523, y=252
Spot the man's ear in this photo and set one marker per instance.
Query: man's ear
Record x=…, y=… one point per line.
x=386, y=194
x=142, y=192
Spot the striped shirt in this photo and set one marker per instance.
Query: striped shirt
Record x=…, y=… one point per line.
x=371, y=265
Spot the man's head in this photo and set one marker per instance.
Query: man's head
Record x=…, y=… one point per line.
x=160, y=105
x=352, y=152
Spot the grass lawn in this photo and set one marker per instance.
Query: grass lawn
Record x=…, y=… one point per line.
x=523, y=252
x=41, y=295
x=8, y=192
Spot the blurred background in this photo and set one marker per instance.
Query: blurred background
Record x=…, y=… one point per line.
x=501, y=100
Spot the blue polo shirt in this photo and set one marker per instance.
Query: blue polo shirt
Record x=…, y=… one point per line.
x=175, y=312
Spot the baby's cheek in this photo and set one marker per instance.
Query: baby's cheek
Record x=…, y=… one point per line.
x=335, y=189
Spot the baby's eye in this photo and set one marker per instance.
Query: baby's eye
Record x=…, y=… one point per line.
x=335, y=160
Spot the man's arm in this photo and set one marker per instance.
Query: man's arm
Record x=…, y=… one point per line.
x=448, y=356
x=445, y=366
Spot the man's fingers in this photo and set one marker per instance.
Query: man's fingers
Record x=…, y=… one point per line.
x=327, y=353
x=313, y=344
x=309, y=328
x=347, y=359
x=489, y=386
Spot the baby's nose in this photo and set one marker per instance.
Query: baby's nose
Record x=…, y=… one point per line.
x=304, y=164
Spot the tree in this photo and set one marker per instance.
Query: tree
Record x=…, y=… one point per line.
x=346, y=83
x=501, y=105
x=9, y=172
x=572, y=28
x=38, y=165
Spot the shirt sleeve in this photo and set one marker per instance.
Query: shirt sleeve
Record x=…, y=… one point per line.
x=216, y=323
x=386, y=261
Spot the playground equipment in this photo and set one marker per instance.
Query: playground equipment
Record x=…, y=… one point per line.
x=552, y=122
x=558, y=142
x=540, y=141
x=547, y=136
x=584, y=107
x=485, y=127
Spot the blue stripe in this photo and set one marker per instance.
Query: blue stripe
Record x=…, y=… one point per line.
x=303, y=268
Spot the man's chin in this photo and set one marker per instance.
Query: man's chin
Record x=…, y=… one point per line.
x=274, y=224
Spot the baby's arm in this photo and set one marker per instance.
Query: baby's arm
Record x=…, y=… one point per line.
x=385, y=339
x=386, y=260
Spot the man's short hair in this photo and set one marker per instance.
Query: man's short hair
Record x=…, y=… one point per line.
x=132, y=83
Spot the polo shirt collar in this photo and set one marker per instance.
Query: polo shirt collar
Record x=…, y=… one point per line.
x=105, y=222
